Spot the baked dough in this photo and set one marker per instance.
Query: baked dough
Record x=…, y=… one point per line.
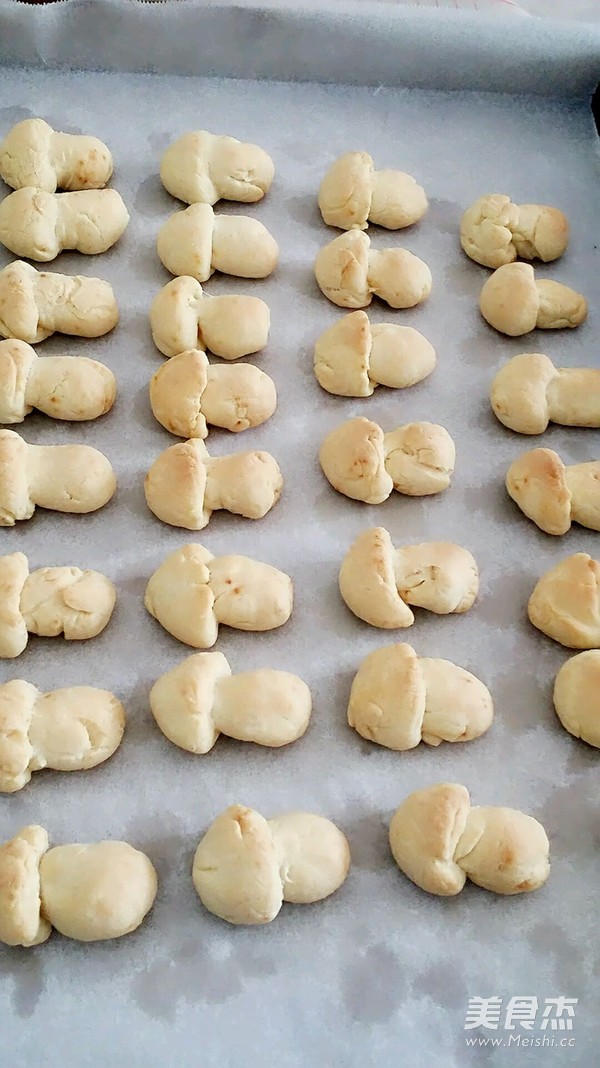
x=65, y=387
x=183, y=317
x=353, y=194
x=379, y=582
x=39, y=225
x=192, y=592
x=529, y=392
x=245, y=866
x=201, y=168
x=577, y=696
x=363, y=463
x=33, y=154
x=514, y=302
x=185, y=485
x=350, y=273
x=187, y=393
x=64, y=478
x=87, y=892
x=565, y=603
x=494, y=231
x=355, y=356
x=35, y=304
x=553, y=495
x=72, y=729
x=200, y=699
x=399, y=699
x=197, y=242
x=438, y=839
x=49, y=602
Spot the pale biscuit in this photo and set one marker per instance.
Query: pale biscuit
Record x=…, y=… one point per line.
x=187, y=394
x=50, y=601
x=71, y=729
x=192, y=592
x=565, y=603
x=494, y=231
x=350, y=273
x=355, y=356
x=183, y=317
x=185, y=485
x=63, y=478
x=577, y=696
x=379, y=582
x=196, y=242
x=33, y=154
x=37, y=226
x=529, y=392
x=35, y=304
x=200, y=699
x=514, y=302
x=74, y=388
x=554, y=495
x=399, y=699
x=353, y=194
x=201, y=168
x=438, y=839
x=245, y=866
x=363, y=463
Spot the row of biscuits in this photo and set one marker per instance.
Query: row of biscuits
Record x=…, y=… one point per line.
x=397, y=700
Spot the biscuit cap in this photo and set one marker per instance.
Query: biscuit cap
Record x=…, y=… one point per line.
x=510, y=300
x=424, y=834
x=345, y=192
x=17, y=700
x=182, y=701
x=21, y=922
x=368, y=582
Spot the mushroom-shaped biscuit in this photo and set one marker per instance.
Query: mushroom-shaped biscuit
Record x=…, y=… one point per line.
x=197, y=242
x=553, y=495
x=33, y=154
x=21, y=920
x=577, y=696
x=514, y=302
x=187, y=393
x=39, y=225
x=245, y=866
x=200, y=699
x=363, y=463
x=353, y=194
x=529, y=392
x=494, y=231
x=185, y=485
x=192, y=592
x=438, y=839
x=354, y=356
x=72, y=729
x=87, y=892
x=350, y=273
x=378, y=582
x=64, y=478
x=35, y=304
x=399, y=699
x=565, y=603
x=201, y=168
x=64, y=387
x=49, y=602
x=183, y=317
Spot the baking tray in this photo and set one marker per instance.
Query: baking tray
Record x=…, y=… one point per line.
x=381, y=973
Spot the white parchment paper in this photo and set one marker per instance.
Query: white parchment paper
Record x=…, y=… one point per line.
x=381, y=973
